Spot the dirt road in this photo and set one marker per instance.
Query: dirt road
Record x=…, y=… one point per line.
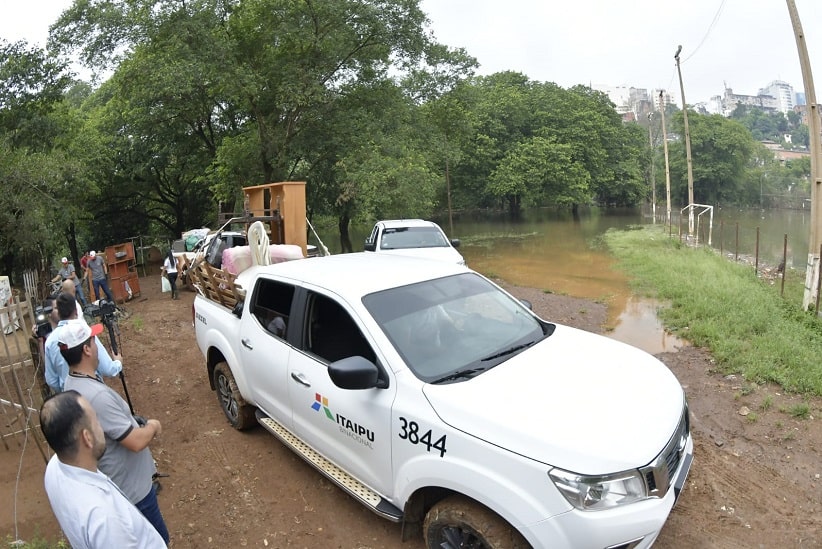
x=755, y=481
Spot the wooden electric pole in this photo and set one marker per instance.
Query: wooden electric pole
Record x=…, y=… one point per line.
x=687, y=148
x=667, y=166
x=815, y=129
x=653, y=178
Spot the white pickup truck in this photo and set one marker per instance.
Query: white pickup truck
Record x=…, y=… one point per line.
x=435, y=398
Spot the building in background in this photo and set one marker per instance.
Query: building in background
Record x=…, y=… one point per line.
x=633, y=103
x=782, y=92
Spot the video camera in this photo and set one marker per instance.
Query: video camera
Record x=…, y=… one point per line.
x=41, y=319
x=104, y=310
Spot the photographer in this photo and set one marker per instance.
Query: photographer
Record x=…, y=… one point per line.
x=56, y=366
x=45, y=321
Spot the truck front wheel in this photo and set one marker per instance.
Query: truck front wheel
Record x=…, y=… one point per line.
x=239, y=413
x=458, y=521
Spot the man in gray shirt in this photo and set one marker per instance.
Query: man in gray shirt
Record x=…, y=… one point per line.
x=98, y=269
x=127, y=459
x=67, y=272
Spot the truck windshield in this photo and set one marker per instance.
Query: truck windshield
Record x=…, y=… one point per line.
x=412, y=237
x=452, y=324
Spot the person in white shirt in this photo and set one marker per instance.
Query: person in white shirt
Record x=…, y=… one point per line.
x=170, y=270
x=91, y=509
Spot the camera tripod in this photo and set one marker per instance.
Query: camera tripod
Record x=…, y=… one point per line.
x=109, y=321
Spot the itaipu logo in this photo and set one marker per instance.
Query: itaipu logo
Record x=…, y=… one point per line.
x=361, y=434
x=322, y=402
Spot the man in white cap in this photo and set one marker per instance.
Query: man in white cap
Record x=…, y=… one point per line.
x=91, y=509
x=97, y=268
x=127, y=459
x=56, y=368
x=67, y=272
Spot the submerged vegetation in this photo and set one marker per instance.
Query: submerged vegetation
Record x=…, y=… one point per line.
x=720, y=305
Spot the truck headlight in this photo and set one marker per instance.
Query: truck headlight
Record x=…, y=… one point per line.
x=595, y=493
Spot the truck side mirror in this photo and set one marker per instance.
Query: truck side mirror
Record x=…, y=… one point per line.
x=370, y=246
x=455, y=242
x=354, y=372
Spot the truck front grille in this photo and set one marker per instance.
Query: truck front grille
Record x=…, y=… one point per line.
x=660, y=473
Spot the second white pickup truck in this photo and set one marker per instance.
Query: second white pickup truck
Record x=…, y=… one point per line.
x=435, y=398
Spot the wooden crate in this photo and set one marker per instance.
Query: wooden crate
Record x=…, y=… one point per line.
x=216, y=284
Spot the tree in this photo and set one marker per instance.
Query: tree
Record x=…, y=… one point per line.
x=540, y=171
x=31, y=84
x=38, y=198
x=721, y=149
x=254, y=77
x=539, y=144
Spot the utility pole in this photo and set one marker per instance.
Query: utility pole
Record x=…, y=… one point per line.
x=653, y=182
x=667, y=166
x=687, y=148
x=815, y=129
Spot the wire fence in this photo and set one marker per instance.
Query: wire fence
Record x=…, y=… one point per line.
x=770, y=255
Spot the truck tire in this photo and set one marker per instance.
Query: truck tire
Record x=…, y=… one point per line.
x=458, y=521
x=239, y=413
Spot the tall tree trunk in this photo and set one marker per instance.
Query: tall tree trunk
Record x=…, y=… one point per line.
x=515, y=207
x=345, y=238
x=71, y=240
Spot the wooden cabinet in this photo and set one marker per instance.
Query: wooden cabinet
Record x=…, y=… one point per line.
x=287, y=198
x=122, y=270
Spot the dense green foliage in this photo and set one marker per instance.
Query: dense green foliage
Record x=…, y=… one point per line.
x=193, y=101
x=773, y=126
x=730, y=166
x=721, y=305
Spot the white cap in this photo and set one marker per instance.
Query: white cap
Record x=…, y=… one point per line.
x=76, y=332
x=64, y=260
x=92, y=253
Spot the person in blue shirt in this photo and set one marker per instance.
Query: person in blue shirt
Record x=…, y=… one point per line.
x=57, y=368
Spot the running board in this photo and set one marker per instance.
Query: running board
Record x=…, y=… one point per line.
x=349, y=484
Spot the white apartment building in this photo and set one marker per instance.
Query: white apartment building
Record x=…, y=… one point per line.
x=782, y=92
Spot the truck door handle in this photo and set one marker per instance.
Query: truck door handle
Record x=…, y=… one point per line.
x=247, y=344
x=299, y=378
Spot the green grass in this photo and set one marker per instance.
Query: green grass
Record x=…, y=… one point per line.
x=718, y=304
x=801, y=411
x=137, y=322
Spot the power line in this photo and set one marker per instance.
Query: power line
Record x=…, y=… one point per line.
x=708, y=32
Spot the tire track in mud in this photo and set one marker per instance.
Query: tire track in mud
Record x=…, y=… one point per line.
x=752, y=483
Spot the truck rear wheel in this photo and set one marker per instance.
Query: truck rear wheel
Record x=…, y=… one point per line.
x=239, y=413
x=458, y=521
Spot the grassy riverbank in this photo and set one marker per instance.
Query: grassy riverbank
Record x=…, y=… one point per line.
x=721, y=305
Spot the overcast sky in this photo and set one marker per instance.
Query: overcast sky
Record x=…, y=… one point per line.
x=611, y=42
x=633, y=42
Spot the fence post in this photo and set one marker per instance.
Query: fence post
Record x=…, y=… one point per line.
x=736, y=249
x=784, y=264
x=756, y=252
x=818, y=285
x=721, y=226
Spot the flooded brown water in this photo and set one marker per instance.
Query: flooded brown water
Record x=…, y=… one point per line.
x=557, y=253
